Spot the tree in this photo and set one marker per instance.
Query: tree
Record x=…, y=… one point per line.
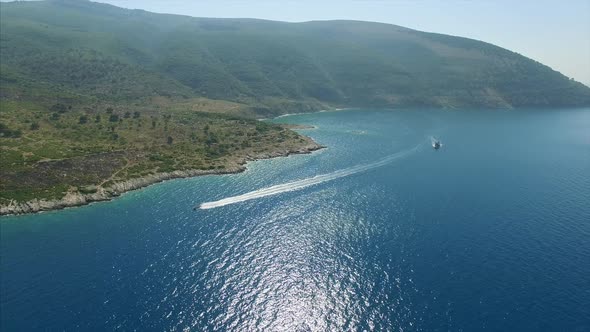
x=55, y=116
x=114, y=118
x=10, y=133
x=34, y=126
x=127, y=115
x=97, y=118
x=170, y=140
x=83, y=119
x=109, y=110
x=60, y=108
x=136, y=115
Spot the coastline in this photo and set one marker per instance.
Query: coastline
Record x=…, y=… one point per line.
x=75, y=199
x=302, y=113
x=320, y=111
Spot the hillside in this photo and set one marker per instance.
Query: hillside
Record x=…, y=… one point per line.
x=96, y=51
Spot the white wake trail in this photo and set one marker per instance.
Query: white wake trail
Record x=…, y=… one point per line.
x=304, y=183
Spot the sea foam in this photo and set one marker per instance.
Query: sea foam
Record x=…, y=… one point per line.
x=304, y=183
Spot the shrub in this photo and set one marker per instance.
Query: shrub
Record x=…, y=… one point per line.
x=60, y=108
x=7, y=132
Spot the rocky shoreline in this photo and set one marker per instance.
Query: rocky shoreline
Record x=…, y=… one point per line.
x=73, y=199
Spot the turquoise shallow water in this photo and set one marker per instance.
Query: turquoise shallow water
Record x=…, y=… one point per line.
x=376, y=232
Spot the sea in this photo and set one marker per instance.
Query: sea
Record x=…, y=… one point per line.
x=376, y=232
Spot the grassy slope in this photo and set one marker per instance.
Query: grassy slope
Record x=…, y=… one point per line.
x=76, y=149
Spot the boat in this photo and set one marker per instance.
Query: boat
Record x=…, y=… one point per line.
x=436, y=145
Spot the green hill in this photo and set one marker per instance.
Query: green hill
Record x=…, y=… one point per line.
x=98, y=51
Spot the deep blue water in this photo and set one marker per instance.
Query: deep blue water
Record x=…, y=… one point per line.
x=491, y=233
